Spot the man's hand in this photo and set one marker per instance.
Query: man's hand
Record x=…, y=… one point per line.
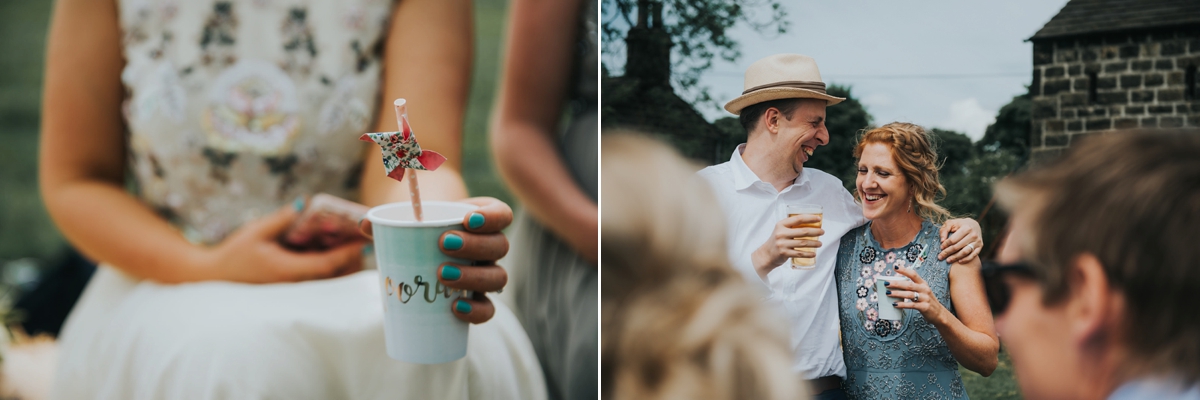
x=962, y=240
x=783, y=243
x=483, y=243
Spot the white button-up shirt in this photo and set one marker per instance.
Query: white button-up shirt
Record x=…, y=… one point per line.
x=807, y=297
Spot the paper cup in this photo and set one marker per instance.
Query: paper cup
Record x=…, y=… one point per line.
x=886, y=310
x=418, y=324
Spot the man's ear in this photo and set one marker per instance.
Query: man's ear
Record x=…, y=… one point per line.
x=771, y=119
x=1092, y=304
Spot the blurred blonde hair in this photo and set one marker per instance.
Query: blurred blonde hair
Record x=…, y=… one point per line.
x=914, y=153
x=678, y=322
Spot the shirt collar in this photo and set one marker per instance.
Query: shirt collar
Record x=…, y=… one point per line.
x=743, y=177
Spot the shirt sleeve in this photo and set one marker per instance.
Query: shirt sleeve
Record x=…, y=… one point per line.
x=852, y=208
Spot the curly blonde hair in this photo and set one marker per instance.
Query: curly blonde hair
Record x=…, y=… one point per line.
x=678, y=322
x=914, y=153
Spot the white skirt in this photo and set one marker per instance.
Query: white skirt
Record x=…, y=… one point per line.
x=131, y=339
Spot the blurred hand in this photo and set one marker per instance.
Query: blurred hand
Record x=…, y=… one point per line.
x=962, y=240
x=783, y=243
x=482, y=243
x=253, y=254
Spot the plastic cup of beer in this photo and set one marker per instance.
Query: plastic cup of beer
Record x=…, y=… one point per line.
x=805, y=209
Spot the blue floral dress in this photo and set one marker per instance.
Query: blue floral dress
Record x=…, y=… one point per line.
x=885, y=359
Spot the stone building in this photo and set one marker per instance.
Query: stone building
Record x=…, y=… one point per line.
x=1110, y=65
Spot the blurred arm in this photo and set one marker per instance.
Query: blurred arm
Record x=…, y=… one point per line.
x=82, y=152
x=427, y=60
x=537, y=66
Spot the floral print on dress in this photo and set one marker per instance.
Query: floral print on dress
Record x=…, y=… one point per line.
x=904, y=358
x=253, y=107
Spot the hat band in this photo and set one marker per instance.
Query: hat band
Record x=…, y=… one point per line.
x=809, y=85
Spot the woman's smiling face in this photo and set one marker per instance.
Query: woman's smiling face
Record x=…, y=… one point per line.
x=881, y=185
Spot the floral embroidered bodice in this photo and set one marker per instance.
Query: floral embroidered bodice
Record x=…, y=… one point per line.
x=235, y=108
x=886, y=359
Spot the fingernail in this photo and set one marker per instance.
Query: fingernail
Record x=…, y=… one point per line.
x=452, y=242
x=896, y=267
x=886, y=283
x=476, y=221
x=894, y=304
x=888, y=292
x=368, y=249
x=298, y=204
x=451, y=273
x=462, y=307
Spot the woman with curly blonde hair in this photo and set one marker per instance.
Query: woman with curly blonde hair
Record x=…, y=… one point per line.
x=906, y=337
x=678, y=322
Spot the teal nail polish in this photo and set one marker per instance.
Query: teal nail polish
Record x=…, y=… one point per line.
x=452, y=242
x=894, y=304
x=298, y=204
x=886, y=283
x=897, y=267
x=368, y=249
x=451, y=273
x=888, y=292
x=462, y=307
x=476, y=221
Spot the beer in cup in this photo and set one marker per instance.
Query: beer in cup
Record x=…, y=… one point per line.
x=805, y=209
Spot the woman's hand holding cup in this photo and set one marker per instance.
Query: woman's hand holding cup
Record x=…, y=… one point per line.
x=483, y=243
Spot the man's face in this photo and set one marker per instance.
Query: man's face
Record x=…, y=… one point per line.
x=1036, y=336
x=803, y=133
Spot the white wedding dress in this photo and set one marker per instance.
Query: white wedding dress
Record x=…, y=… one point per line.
x=235, y=108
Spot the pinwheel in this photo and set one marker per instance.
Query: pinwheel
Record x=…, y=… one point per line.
x=402, y=154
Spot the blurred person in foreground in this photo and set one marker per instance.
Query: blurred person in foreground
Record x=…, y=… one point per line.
x=782, y=110
x=222, y=113
x=1096, y=292
x=678, y=321
x=917, y=355
x=544, y=136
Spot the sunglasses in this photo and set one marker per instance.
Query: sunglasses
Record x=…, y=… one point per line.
x=998, y=292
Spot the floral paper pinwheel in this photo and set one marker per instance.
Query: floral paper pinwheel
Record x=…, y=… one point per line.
x=400, y=149
x=401, y=153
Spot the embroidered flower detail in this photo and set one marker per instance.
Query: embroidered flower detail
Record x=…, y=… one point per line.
x=891, y=257
x=858, y=282
x=883, y=327
x=874, y=297
x=870, y=325
x=913, y=252
x=900, y=263
x=867, y=255
x=879, y=266
x=862, y=291
x=872, y=314
x=866, y=271
x=896, y=326
x=861, y=304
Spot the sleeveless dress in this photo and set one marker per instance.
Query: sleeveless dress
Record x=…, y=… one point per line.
x=555, y=291
x=885, y=359
x=235, y=108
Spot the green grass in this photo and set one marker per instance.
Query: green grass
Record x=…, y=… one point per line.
x=1001, y=385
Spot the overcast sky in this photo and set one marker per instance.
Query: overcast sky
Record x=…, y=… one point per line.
x=905, y=59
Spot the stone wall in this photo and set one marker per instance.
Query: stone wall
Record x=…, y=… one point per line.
x=1139, y=79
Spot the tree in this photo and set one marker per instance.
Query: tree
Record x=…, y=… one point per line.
x=844, y=121
x=696, y=28
x=1011, y=130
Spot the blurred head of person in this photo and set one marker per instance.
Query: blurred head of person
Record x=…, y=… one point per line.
x=1102, y=271
x=898, y=174
x=678, y=322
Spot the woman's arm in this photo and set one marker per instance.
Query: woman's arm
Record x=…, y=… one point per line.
x=82, y=171
x=971, y=336
x=533, y=86
x=427, y=60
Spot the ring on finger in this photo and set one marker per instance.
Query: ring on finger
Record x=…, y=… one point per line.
x=916, y=297
x=970, y=246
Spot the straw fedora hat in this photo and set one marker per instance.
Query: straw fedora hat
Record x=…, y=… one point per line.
x=781, y=76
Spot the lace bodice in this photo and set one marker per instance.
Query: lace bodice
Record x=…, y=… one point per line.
x=903, y=359
x=235, y=108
